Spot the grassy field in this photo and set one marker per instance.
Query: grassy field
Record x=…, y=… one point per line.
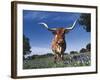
x=72, y=60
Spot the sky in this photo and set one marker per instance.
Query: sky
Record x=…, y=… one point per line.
x=40, y=38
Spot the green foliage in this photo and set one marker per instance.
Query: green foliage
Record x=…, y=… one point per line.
x=88, y=47
x=83, y=50
x=41, y=56
x=73, y=52
x=48, y=61
x=26, y=45
x=85, y=20
x=74, y=59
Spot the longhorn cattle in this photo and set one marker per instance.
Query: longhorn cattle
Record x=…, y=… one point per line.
x=58, y=43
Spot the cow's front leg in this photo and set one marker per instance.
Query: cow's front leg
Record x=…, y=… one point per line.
x=62, y=57
x=55, y=58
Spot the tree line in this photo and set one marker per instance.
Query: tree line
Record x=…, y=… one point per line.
x=83, y=50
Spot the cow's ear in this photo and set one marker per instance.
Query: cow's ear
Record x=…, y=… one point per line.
x=66, y=30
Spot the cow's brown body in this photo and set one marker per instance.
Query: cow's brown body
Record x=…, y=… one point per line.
x=59, y=43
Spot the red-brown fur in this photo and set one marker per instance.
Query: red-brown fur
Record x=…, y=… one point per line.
x=59, y=43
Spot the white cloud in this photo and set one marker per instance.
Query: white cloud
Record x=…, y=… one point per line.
x=35, y=15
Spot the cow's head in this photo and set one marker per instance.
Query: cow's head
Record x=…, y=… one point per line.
x=59, y=33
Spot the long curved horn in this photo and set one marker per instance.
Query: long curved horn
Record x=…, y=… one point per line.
x=46, y=26
x=70, y=28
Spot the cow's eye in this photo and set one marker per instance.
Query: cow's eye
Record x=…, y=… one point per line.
x=54, y=32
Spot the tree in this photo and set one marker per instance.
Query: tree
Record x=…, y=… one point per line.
x=73, y=52
x=85, y=21
x=88, y=47
x=26, y=45
x=83, y=50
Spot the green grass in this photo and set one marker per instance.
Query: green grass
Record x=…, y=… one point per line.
x=48, y=62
